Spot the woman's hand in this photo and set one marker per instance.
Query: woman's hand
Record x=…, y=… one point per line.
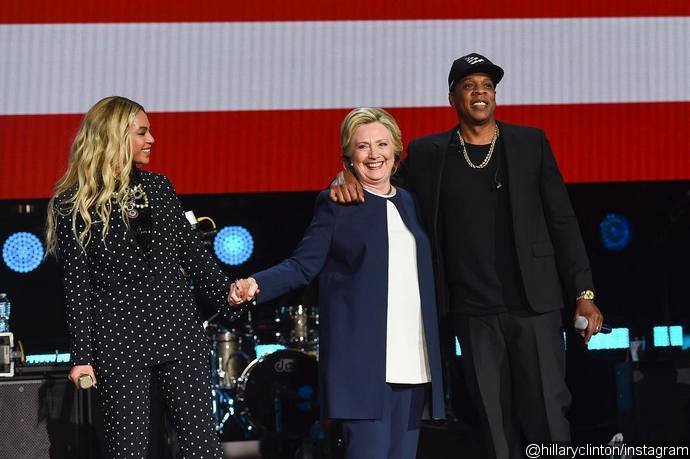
x=81, y=370
x=243, y=290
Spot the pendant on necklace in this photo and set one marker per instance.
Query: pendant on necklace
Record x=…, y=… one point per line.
x=132, y=213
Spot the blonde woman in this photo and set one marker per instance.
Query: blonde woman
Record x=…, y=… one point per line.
x=379, y=346
x=121, y=237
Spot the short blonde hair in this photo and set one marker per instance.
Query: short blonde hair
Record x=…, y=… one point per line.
x=361, y=116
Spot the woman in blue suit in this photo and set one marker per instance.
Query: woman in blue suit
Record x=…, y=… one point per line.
x=379, y=347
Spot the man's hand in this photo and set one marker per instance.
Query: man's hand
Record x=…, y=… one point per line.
x=590, y=311
x=80, y=370
x=346, y=189
x=243, y=290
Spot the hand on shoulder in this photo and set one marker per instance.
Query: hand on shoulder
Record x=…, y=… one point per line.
x=346, y=189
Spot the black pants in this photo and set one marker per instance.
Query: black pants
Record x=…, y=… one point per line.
x=515, y=370
x=185, y=388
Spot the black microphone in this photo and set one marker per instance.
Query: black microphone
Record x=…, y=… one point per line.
x=497, y=185
x=581, y=324
x=206, y=234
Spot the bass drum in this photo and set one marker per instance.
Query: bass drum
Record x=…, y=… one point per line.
x=279, y=393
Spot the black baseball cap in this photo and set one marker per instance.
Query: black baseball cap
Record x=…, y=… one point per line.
x=473, y=63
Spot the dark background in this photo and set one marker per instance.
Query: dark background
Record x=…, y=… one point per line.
x=643, y=285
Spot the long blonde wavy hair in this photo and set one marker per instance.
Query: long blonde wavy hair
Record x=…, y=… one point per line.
x=100, y=161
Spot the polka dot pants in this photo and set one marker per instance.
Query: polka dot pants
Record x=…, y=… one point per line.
x=184, y=386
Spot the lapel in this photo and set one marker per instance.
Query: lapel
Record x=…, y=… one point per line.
x=156, y=206
x=438, y=160
x=512, y=153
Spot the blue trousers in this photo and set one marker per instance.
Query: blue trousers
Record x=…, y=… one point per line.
x=396, y=434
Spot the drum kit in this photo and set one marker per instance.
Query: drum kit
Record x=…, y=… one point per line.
x=264, y=375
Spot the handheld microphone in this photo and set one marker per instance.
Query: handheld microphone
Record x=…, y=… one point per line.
x=581, y=324
x=85, y=381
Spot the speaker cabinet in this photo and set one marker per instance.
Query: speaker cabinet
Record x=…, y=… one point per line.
x=45, y=417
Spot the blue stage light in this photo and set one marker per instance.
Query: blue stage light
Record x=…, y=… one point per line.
x=615, y=231
x=22, y=252
x=233, y=245
x=265, y=349
x=665, y=336
x=37, y=359
x=619, y=338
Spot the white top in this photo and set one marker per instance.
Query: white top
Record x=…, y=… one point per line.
x=406, y=355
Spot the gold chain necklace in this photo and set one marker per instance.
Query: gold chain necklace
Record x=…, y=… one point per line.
x=488, y=155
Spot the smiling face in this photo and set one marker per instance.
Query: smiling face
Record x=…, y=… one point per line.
x=373, y=156
x=474, y=99
x=142, y=140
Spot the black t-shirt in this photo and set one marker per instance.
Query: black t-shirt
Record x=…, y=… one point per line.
x=479, y=246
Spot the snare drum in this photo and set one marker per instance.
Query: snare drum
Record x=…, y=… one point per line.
x=279, y=393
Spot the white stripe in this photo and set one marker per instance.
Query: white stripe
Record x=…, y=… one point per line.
x=65, y=68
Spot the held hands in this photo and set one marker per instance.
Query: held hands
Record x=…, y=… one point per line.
x=590, y=311
x=346, y=189
x=243, y=290
x=81, y=370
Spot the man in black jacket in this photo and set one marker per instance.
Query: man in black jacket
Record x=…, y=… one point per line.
x=508, y=255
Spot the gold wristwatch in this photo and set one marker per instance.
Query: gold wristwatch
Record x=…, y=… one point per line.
x=585, y=295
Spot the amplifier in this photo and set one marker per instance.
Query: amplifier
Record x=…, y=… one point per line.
x=42, y=415
x=46, y=417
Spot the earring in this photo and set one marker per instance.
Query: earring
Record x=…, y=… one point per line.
x=351, y=164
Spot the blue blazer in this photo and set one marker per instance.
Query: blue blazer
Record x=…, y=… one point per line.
x=347, y=247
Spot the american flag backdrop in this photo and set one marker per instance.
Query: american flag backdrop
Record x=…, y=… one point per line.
x=248, y=96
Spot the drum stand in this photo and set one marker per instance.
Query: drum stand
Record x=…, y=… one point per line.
x=226, y=345
x=274, y=399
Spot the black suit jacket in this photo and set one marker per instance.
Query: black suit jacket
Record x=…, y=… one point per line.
x=550, y=251
x=126, y=310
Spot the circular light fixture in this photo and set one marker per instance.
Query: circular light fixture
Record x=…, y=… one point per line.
x=22, y=252
x=233, y=245
x=615, y=231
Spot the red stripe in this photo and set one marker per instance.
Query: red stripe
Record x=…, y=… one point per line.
x=228, y=152
x=87, y=11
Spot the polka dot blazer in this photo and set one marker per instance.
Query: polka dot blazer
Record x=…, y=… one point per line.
x=127, y=310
